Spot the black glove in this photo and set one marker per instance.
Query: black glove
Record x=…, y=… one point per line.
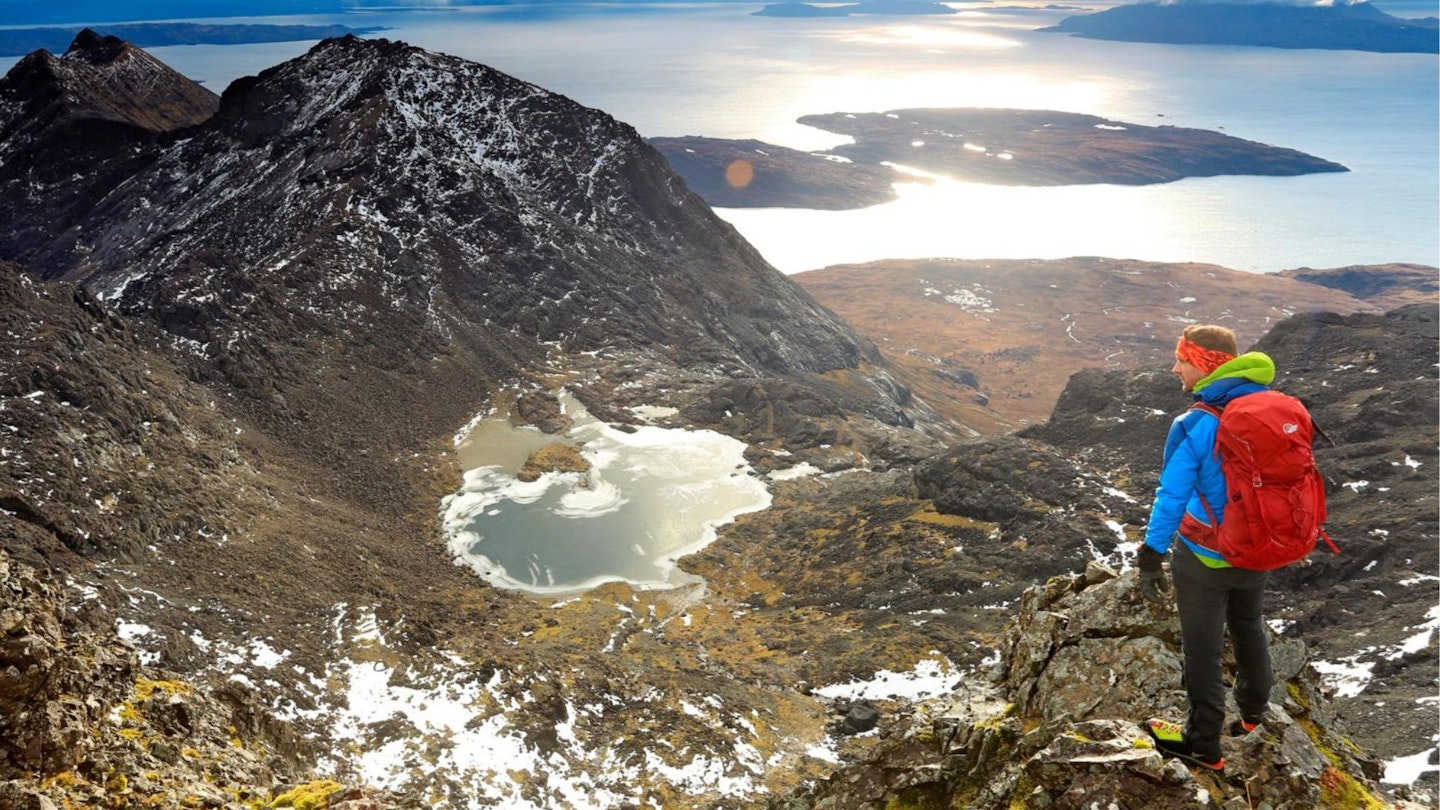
x=1154, y=585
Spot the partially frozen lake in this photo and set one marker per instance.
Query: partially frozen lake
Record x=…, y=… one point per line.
x=650, y=497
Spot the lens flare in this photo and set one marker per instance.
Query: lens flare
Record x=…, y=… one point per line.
x=739, y=173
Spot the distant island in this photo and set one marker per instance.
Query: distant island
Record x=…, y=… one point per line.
x=754, y=174
x=21, y=41
x=1353, y=27
x=877, y=7
x=981, y=145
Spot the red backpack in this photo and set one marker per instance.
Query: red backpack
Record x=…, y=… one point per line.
x=1276, y=495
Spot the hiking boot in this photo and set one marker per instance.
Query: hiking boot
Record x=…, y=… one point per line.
x=1241, y=727
x=1170, y=740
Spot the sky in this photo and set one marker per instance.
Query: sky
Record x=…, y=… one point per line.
x=30, y=13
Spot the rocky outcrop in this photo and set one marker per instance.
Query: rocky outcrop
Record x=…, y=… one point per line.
x=1058, y=512
x=107, y=447
x=1057, y=722
x=557, y=457
x=61, y=669
x=84, y=724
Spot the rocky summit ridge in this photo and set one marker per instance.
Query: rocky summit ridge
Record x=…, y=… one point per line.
x=1057, y=722
x=228, y=408
x=386, y=177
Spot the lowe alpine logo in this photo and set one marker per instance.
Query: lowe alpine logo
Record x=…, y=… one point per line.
x=1290, y=427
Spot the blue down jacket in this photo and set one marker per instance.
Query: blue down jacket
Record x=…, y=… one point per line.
x=1190, y=465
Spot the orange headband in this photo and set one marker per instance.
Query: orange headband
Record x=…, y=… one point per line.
x=1207, y=360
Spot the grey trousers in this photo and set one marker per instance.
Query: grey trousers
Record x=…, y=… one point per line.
x=1209, y=601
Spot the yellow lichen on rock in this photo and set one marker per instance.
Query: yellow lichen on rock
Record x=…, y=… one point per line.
x=146, y=689
x=311, y=796
x=1339, y=789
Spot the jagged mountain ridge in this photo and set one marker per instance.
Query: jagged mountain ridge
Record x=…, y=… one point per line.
x=371, y=206
x=1057, y=721
x=472, y=197
x=105, y=79
x=102, y=105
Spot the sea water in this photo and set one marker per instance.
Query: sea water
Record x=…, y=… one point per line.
x=716, y=70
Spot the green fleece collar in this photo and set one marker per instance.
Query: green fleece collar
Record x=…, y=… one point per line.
x=1257, y=367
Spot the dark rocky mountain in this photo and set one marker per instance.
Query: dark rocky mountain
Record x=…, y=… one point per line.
x=450, y=181
x=233, y=423
x=1337, y=26
x=74, y=127
x=226, y=427
x=373, y=205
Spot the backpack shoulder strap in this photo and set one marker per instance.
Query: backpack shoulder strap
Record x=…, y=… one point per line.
x=1215, y=412
x=1207, y=408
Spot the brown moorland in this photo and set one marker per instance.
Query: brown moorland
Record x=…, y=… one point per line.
x=991, y=343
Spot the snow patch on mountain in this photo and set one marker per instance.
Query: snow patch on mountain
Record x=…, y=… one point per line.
x=931, y=677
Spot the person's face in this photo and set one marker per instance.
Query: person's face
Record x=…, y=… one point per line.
x=1188, y=374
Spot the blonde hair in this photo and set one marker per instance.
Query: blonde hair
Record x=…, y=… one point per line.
x=1214, y=338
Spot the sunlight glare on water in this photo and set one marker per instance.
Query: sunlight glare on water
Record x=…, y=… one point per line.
x=929, y=221
x=934, y=40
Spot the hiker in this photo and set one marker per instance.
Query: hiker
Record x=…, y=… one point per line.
x=1210, y=593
